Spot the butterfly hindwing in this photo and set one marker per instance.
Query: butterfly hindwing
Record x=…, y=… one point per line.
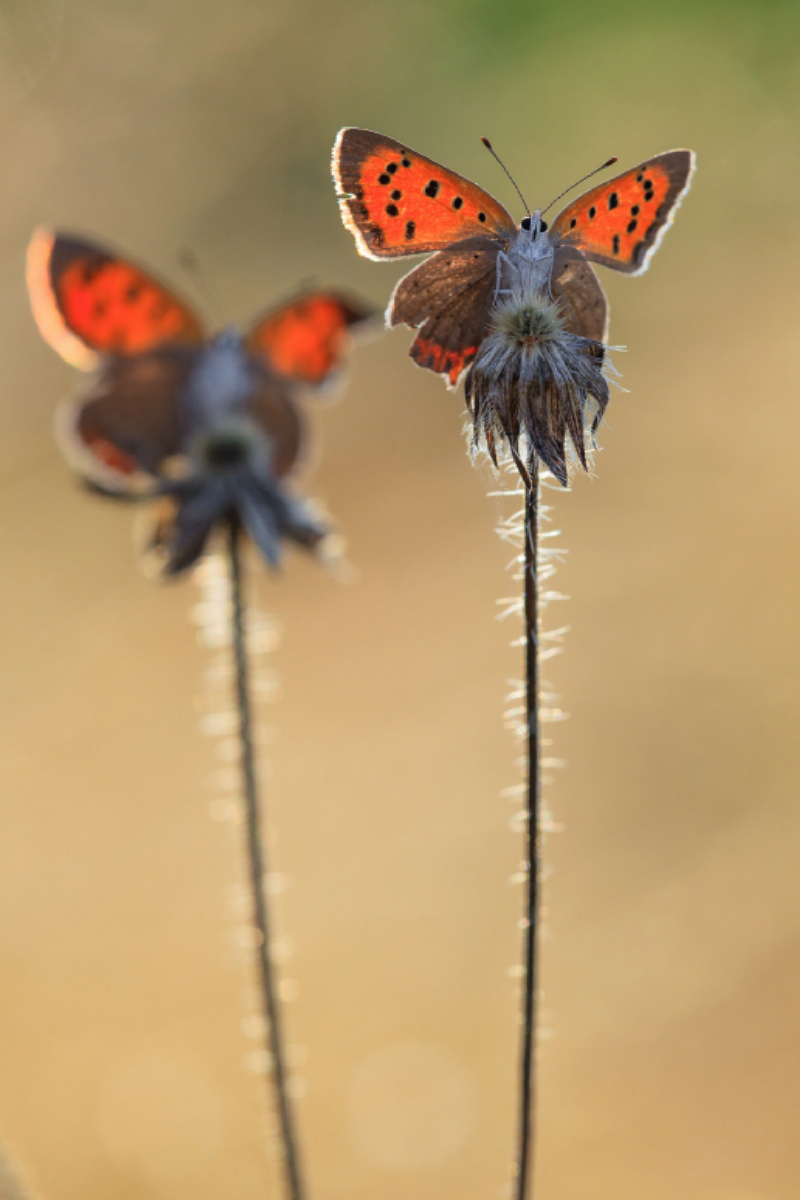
x=272, y=407
x=575, y=285
x=448, y=298
x=123, y=433
x=119, y=432
x=88, y=302
x=620, y=223
x=397, y=202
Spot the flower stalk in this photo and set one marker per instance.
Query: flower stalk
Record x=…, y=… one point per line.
x=294, y=1186
x=527, y=1085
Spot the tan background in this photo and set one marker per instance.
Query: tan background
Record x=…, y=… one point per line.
x=672, y=1066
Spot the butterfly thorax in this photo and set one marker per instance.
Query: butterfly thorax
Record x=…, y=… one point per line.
x=221, y=381
x=527, y=265
x=221, y=435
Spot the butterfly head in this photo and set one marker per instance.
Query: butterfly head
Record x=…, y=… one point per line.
x=528, y=264
x=532, y=244
x=533, y=224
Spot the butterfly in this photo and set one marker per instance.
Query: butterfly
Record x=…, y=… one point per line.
x=211, y=423
x=398, y=203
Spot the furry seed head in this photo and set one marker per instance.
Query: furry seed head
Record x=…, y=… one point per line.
x=230, y=445
x=535, y=382
x=528, y=321
x=227, y=468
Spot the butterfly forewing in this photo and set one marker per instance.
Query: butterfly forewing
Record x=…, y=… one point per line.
x=397, y=202
x=448, y=298
x=89, y=302
x=307, y=338
x=620, y=223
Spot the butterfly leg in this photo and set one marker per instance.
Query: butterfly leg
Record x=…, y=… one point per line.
x=502, y=259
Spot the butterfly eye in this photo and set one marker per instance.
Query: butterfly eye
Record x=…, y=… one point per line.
x=526, y=224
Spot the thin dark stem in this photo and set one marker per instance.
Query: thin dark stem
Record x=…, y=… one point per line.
x=257, y=862
x=528, y=1045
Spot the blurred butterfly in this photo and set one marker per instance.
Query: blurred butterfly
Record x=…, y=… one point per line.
x=211, y=423
x=398, y=203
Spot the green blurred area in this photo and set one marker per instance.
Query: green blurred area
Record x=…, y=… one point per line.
x=672, y=1063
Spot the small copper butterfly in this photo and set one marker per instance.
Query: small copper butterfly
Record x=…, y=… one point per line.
x=398, y=203
x=210, y=422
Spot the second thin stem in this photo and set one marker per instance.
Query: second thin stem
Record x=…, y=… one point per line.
x=258, y=866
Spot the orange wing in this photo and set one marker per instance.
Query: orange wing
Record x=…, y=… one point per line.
x=620, y=223
x=88, y=302
x=397, y=202
x=306, y=339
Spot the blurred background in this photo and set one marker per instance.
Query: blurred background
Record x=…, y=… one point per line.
x=670, y=1062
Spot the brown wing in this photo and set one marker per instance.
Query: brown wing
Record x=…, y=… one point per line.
x=397, y=202
x=118, y=434
x=272, y=406
x=448, y=298
x=87, y=301
x=577, y=287
x=307, y=337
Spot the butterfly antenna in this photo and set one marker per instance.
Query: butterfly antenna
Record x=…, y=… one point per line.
x=610, y=163
x=494, y=154
x=193, y=268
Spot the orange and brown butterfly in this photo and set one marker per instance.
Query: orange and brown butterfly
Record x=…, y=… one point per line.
x=211, y=423
x=398, y=203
